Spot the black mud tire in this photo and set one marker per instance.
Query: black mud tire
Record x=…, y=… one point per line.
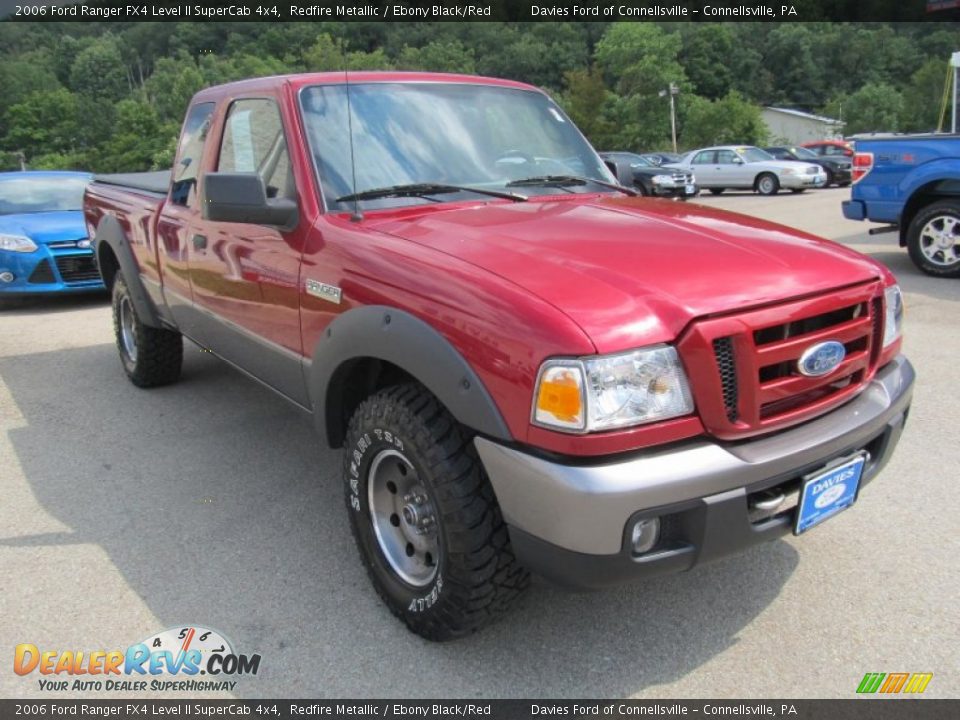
x=829, y=173
x=767, y=184
x=716, y=191
x=942, y=209
x=477, y=576
x=157, y=354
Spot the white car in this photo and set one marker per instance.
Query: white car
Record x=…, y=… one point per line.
x=744, y=166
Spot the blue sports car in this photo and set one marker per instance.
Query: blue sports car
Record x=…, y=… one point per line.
x=44, y=246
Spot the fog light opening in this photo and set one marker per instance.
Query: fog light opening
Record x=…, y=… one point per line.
x=644, y=535
x=6, y=276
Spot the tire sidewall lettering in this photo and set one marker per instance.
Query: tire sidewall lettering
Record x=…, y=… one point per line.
x=365, y=448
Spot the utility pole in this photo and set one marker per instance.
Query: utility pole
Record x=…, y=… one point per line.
x=955, y=62
x=23, y=160
x=673, y=91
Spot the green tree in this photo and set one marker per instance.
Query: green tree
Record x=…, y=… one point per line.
x=173, y=82
x=641, y=60
x=438, y=56
x=98, y=72
x=876, y=107
x=138, y=137
x=586, y=100
x=923, y=97
x=329, y=54
x=730, y=120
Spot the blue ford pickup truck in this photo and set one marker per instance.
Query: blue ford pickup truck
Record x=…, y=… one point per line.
x=912, y=183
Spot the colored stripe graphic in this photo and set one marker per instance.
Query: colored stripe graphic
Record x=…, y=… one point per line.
x=870, y=682
x=918, y=682
x=894, y=682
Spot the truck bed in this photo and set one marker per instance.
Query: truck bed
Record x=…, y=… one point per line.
x=153, y=182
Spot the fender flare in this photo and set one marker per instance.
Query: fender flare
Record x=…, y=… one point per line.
x=111, y=234
x=400, y=338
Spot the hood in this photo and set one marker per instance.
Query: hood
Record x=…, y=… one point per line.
x=45, y=227
x=634, y=271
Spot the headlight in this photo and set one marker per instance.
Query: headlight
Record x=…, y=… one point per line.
x=893, y=319
x=611, y=391
x=17, y=243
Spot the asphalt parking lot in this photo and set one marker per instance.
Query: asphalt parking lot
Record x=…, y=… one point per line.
x=212, y=502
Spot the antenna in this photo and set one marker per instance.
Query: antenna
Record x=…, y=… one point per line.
x=357, y=215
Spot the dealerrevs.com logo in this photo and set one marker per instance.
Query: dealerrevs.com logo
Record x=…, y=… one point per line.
x=191, y=659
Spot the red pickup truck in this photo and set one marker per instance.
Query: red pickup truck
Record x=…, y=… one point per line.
x=528, y=369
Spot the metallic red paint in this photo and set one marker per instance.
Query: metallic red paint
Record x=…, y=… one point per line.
x=508, y=284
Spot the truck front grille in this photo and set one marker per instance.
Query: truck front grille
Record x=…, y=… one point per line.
x=723, y=351
x=77, y=268
x=747, y=365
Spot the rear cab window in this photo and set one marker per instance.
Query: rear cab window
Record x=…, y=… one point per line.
x=183, y=188
x=253, y=142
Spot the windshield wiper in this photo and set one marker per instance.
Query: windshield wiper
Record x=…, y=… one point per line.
x=567, y=180
x=422, y=189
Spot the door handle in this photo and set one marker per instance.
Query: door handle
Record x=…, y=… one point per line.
x=199, y=242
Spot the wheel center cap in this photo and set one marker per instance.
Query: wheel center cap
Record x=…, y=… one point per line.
x=411, y=516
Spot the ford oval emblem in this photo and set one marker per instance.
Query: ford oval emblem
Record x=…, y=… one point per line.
x=822, y=358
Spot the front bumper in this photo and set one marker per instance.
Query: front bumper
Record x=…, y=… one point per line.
x=46, y=270
x=795, y=182
x=676, y=191
x=571, y=523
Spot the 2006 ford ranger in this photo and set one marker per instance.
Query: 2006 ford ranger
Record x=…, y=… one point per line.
x=528, y=369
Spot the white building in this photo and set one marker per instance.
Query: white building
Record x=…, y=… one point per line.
x=793, y=127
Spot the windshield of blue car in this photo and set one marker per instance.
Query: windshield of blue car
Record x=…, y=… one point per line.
x=470, y=135
x=801, y=153
x=25, y=194
x=754, y=154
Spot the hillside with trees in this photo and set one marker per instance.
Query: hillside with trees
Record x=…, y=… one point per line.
x=110, y=96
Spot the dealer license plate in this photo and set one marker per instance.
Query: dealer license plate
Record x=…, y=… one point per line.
x=829, y=492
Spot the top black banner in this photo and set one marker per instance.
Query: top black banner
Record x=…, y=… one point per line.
x=484, y=10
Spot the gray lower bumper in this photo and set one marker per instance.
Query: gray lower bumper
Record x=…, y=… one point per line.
x=584, y=509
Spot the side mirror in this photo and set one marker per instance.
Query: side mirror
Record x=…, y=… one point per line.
x=242, y=198
x=738, y=160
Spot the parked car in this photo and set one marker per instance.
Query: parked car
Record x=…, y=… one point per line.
x=830, y=148
x=912, y=183
x=837, y=168
x=634, y=171
x=661, y=158
x=747, y=167
x=44, y=247
x=526, y=367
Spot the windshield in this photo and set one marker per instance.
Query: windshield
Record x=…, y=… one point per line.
x=639, y=161
x=803, y=153
x=455, y=134
x=754, y=154
x=41, y=194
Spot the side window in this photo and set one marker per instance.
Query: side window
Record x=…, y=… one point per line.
x=704, y=158
x=253, y=142
x=726, y=157
x=183, y=189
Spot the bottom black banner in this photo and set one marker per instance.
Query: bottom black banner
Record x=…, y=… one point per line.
x=861, y=708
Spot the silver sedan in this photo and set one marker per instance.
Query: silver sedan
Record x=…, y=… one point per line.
x=747, y=167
